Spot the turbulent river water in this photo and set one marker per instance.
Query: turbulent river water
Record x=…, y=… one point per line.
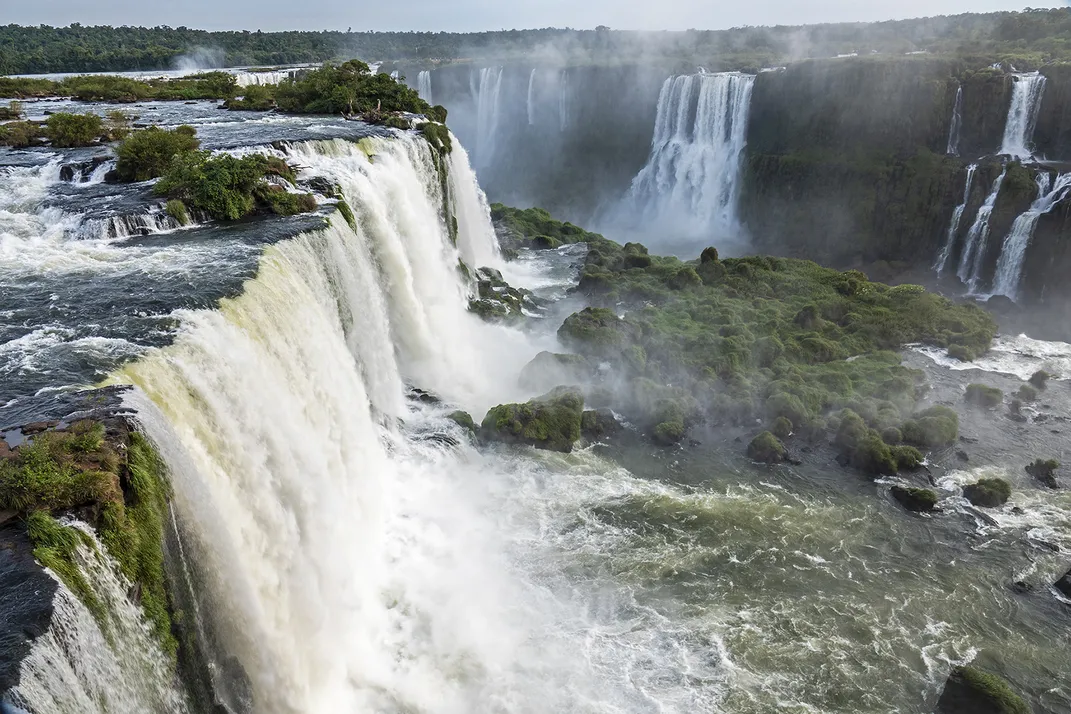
x=352, y=552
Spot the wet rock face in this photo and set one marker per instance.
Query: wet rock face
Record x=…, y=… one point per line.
x=26, y=591
x=972, y=691
x=919, y=500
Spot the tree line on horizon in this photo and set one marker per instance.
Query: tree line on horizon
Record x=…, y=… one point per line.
x=1031, y=37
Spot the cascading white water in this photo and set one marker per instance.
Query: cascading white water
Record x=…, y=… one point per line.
x=249, y=79
x=1009, y=275
x=85, y=666
x=563, y=99
x=953, y=226
x=531, y=98
x=1027, y=93
x=691, y=180
x=974, y=248
x=424, y=86
x=957, y=124
x=485, y=94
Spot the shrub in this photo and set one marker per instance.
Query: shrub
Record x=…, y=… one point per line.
x=11, y=112
x=907, y=458
x=892, y=435
x=147, y=154
x=70, y=130
x=348, y=88
x=933, y=427
x=284, y=203
x=988, y=493
x=437, y=114
x=1045, y=471
x=963, y=354
x=1040, y=379
x=21, y=134
x=984, y=396
x=781, y=428
x=1028, y=393
x=177, y=210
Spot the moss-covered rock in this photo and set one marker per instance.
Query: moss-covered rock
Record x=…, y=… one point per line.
x=596, y=331
x=781, y=428
x=988, y=493
x=920, y=500
x=984, y=396
x=599, y=423
x=972, y=691
x=462, y=419
x=550, y=422
x=1045, y=472
x=766, y=448
x=498, y=301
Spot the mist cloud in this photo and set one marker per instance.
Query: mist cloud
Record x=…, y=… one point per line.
x=474, y=15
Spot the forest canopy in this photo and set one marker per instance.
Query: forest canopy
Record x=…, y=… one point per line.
x=1031, y=36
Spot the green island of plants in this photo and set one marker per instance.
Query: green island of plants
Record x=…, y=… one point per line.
x=735, y=340
x=64, y=130
x=122, y=90
x=110, y=478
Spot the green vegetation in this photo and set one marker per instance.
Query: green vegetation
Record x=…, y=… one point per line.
x=21, y=134
x=229, y=188
x=781, y=428
x=438, y=136
x=766, y=448
x=462, y=419
x=550, y=422
x=1027, y=393
x=12, y=112
x=69, y=130
x=920, y=500
x=972, y=690
x=988, y=493
x=122, y=90
x=147, y=154
x=255, y=98
x=348, y=88
x=497, y=300
x=984, y=396
x=116, y=482
x=177, y=210
x=1040, y=379
x=1026, y=38
x=761, y=338
x=534, y=228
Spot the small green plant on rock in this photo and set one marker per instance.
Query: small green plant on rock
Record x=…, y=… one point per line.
x=984, y=396
x=988, y=493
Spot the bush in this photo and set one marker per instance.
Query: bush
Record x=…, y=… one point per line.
x=1040, y=379
x=177, y=210
x=438, y=136
x=920, y=500
x=147, y=154
x=11, y=112
x=21, y=134
x=349, y=88
x=1045, y=471
x=984, y=396
x=71, y=130
x=1028, y=393
x=284, y=203
x=988, y=493
x=437, y=114
x=907, y=458
x=933, y=427
x=781, y=428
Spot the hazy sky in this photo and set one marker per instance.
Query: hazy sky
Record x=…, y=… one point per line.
x=466, y=15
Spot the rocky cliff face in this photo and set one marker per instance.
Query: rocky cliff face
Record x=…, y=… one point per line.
x=846, y=163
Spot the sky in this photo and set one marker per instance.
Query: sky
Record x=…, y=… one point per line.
x=475, y=15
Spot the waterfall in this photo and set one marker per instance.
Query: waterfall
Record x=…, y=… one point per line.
x=424, y=86
x=957, y=218
x=248, y=79
x=1027, y=92
x=325, y=532
x=691, y=179
x=82, y=665
x=563, y=99
x=970, y=264
x=957, y=124
x=1009, y=275
x=485, y=93
x=531, y=98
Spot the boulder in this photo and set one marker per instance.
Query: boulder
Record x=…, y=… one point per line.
x=972, y=691
x=1064, y=584
x=550, y=422
x=597, y=332
x=988, y=493
x=462, y=419
x=1045, y=472
x=919, y=500
x=766, y=448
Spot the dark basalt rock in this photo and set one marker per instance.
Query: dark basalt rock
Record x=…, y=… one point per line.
x=423, y=396
x=1045, y=472
x=972, y=691
x=26, y=591
x=598, y=423
x=766, y=448
x=1064, y=584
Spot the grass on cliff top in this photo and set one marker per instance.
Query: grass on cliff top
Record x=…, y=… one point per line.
x=122, y=492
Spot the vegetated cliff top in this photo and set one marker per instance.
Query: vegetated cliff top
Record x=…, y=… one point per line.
x=1029, y=36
